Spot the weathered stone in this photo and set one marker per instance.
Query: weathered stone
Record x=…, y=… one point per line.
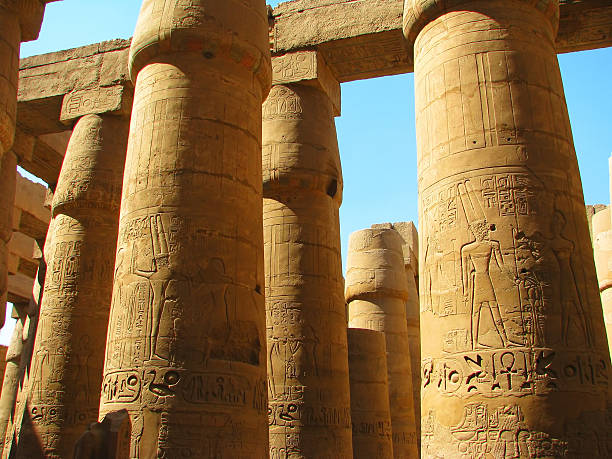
x=8, y=169
x=10, y=384
x=410, y=249
x=108, y=439
x=376, y=293
x=70, y=340
x=186, y=348
x=308, y=377
x=370, y=412
x=602, y=248
x=514, y=355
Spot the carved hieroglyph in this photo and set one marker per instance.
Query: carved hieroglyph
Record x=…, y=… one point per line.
x=8, y=169
x=30, y=324
x=376, y=291
x=514, y=347
x=309, y=406
x=370, y=412
x=186, y=352
x=68, y=355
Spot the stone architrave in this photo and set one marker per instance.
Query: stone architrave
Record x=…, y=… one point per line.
x=308, y=381
x=376, y=293
x=186, y=349
x=8, y=169
x=370, y=412
x=68, y=356
x=514, y=354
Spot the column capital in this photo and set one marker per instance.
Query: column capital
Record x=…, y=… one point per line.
x=418, y=13
x=30, y=13
x=200, y=27
x=375, y=265
x=308, y=67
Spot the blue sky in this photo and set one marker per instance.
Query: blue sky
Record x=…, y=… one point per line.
x=376, y=130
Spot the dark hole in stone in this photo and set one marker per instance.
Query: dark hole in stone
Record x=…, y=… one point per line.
x=523, y=271
x=509, y=139
x=208, y=55
x=474, y=142
x=332, y=189
x=258, y=289
x=493, y=227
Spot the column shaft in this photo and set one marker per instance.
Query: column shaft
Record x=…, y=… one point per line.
x=10, y=384
x=186, y=343
x=307, y=351
x=66, y=374
x=376, y=294
x=515, y=358
x=8, y=169
x=370, y=412
x=10, y=38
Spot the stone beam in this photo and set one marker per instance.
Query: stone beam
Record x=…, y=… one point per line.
x=31, y=215
x=72, y=81
x=363, y=39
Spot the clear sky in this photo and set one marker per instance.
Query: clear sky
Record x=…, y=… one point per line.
x=376, y=131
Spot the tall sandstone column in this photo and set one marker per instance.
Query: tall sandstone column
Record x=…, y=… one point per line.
x=68, y=356
x=376, y=292
x=514, y=354
x=186, y=349
x=19, y=21
x=10, y=382
x=308, y=377
x=8, y=170
x=370, y=412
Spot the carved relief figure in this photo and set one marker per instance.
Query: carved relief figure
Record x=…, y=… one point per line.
x=571, y=304
x=476, y=258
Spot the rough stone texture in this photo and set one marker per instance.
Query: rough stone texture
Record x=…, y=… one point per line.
x=29, y=316
x=514, y=355
x=306, y=322
x=10, y=37
x=10, y=384
x=69, y=348
x=410, y=249
x=602, y=248
x=376, y=292
x=363, y=38
x=108, y=439
x=8, y=169
x=186, y=347
x=370, y=412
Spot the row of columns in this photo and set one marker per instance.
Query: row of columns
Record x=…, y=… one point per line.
x=510, y=316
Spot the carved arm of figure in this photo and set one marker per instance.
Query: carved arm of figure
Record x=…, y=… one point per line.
x=465, y=273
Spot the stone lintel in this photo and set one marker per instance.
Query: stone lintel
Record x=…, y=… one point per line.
x=42, y=156
x=363, y=38
x=111, y=99
x=307, y=67
x=30, y=216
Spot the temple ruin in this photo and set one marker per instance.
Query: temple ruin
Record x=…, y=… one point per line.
x=178, y=286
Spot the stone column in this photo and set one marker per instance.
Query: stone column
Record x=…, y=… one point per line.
x=376, y=292
x=308, y=377
x=602, y=251
x=8, y=169
x=30, y=323
x=410, y=249
x=186, y=352
x=10, y=384
x=68, y=356
x=370, y=412
x=514, y=354
x=10, y=38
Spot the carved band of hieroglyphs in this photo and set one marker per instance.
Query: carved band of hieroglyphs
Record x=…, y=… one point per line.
x=515, y=372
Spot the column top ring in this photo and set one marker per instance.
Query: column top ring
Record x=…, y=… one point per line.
x=418, y=13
